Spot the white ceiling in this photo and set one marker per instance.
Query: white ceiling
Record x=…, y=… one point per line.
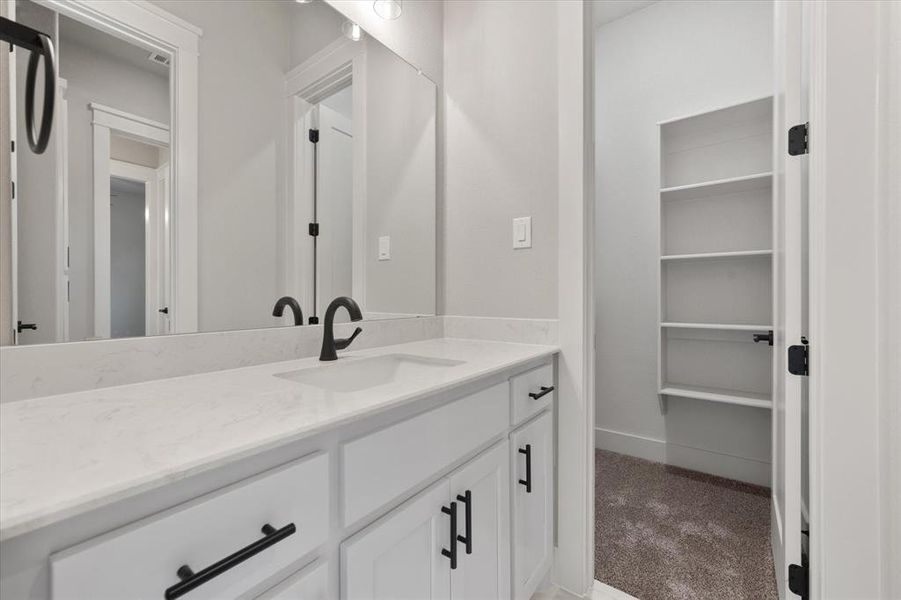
x=610, y=10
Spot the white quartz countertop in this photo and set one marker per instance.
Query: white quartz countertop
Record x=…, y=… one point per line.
x=64, y=455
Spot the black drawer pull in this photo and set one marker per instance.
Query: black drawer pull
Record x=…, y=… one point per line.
x=452, y=553
x=545, y=390
x=191, y=580
x=466, y=499
x=528, y=480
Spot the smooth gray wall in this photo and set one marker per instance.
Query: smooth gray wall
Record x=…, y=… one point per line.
x=101, y=78
x=245, y=51
x=501, y=158
x=127, y=302
x=35, y=206
x=400, y=185
x=668, y=60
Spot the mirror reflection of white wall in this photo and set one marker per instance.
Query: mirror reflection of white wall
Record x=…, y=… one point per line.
x=254, y=200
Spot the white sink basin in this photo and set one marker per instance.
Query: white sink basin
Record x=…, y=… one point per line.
x=355, y=375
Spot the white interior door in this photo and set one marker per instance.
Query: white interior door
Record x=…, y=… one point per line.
x=335, y=207
x=790, y=190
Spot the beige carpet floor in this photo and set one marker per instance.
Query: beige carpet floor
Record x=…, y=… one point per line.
x=664, y=533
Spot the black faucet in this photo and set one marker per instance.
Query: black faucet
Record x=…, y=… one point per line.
x=329, y=343
x=284, y=301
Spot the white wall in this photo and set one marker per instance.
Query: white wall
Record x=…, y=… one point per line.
x=36, y=207
x=501, y=144
x=240, y=136
x=416, y=36
x=664, y=61
x=127, y=261
x=400, y=185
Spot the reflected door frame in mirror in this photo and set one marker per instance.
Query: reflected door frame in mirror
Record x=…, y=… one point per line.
x=150, y=27
x=329, y=69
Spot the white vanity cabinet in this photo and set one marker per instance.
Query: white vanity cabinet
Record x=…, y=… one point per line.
x=532, y=454
x=450, y=541
x=449, y=496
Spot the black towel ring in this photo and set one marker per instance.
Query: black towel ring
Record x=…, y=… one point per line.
x=38, y=139
x=40, y=46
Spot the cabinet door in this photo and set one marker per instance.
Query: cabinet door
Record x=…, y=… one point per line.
x=532, y=454
x=309, y=584
x=399, y=557
x=482, y=487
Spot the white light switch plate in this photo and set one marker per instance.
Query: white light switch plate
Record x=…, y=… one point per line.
x=385, y=247
x=522, y=232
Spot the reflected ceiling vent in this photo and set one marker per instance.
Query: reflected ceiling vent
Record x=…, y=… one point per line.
x=160, y=59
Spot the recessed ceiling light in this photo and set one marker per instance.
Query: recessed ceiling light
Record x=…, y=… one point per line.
x=388, y=9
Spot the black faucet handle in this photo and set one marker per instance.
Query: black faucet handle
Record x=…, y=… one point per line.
x=342, y=344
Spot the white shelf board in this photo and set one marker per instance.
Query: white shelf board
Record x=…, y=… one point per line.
x=708, y=255
x=720, y=326
x=717, y=395
x=718, y=187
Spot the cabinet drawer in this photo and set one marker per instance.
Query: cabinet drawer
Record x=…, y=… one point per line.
x=309, y=584
x=142, y=560
x=385, y=464
x=532, y=382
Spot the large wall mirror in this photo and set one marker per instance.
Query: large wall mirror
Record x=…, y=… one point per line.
x=190, y=185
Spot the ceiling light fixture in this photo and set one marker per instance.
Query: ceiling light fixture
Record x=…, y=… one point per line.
x=351, y=31
x=388, y=9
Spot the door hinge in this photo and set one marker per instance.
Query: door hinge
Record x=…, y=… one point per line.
x=12, y=190
x=797, y=139
x=798, y=356
x=314, y=136
x=12, y=145
x=314, y=229
x=799, y=580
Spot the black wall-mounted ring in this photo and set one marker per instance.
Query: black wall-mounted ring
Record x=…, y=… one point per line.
x=38, y=140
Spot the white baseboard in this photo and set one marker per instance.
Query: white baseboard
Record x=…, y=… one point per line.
x=697, y=459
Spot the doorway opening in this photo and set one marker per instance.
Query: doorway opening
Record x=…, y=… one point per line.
x=698, y=483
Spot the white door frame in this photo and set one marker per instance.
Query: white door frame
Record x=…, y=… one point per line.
x=62, y=211
x=148, y=26
x=574, y=559
x=342, y=60
x=155, y=270
x=8, y=10
x=106, y=120
x=855, y=308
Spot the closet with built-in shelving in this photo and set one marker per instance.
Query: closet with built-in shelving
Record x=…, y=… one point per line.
x=715, y=272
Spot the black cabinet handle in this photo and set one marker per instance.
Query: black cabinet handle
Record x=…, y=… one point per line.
x=545, y=390
x=466, y=499
x=452, y=553
x=528, y=480
x=191, y=580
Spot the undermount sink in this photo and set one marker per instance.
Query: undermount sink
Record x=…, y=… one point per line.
x=354, y=375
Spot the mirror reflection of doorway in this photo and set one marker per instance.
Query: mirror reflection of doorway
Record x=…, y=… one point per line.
x=127, y=257
x=334, y=198
x=139, y=239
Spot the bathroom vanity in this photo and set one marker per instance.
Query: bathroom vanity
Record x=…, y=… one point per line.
x=419, y=470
